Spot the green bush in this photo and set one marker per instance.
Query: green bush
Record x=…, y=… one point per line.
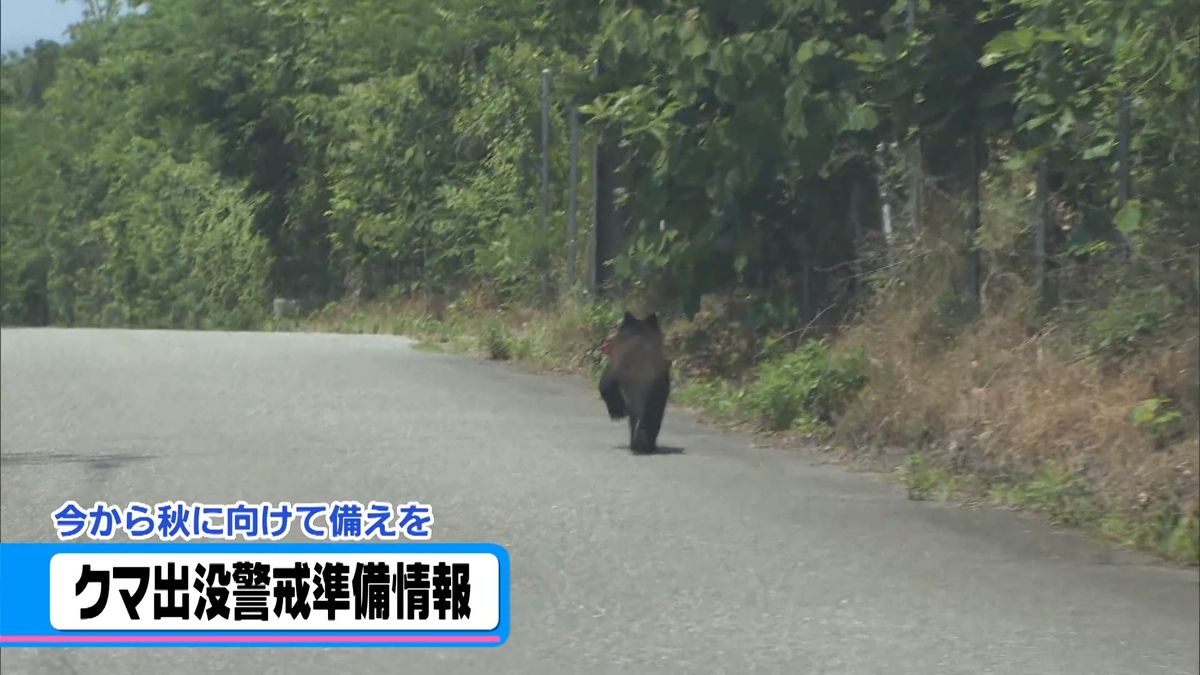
x=1158, y=418
x=495, y=340
x=1183, y=540
x=807, y=385
x=925, y=480
x=713, y=395
x=1130, y=322
x=601, y=319
x=1062, y=495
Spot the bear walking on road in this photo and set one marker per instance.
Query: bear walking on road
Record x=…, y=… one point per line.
x=636, y=381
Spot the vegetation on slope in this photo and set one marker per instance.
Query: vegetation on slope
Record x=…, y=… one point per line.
x=958, y=237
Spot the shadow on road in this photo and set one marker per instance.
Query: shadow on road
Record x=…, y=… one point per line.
x=661, y=450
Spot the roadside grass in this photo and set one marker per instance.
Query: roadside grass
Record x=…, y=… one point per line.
x=1062, y=499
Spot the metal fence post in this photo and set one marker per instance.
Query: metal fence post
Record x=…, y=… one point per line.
x=545, y=173
x=1124, y=166
x=885, y=206
x=602, y=207
x=573, y=201
x=916, y=164
x=974, y=263
x=1041, y=228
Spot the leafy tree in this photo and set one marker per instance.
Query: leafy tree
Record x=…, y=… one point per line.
x=380, y=146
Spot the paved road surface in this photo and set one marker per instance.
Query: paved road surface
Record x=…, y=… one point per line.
x=722, y=558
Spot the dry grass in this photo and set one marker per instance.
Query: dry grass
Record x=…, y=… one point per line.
x=997, y=403
x=992, y=410
x=564, y=337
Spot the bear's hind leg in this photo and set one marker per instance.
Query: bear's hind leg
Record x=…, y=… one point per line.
x=636, y=441
x=656, y=407
x=614, y=399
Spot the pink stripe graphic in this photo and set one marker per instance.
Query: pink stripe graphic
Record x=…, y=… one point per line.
x=234, y=639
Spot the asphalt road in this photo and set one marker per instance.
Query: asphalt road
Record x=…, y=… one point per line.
x=719, y=557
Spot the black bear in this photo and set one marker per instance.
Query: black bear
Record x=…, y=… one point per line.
x=636, y=381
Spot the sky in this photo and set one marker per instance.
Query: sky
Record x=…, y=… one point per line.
x=24, y=22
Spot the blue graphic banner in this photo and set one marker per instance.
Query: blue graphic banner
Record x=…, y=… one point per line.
x=192, y=594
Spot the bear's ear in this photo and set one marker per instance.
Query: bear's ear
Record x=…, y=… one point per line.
x=629, y=318
x=652, y=320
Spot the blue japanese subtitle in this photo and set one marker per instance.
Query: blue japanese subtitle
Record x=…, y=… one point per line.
x=311, y=511
x=379, y=514
x=345, y=521
x=139, y=521
x=415, y=519
x=177, y=520
x=70, y=520
x=104, y=520
x=173, y=521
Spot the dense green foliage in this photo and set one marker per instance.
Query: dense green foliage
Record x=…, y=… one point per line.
x=804, y=389
x=181, y=163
